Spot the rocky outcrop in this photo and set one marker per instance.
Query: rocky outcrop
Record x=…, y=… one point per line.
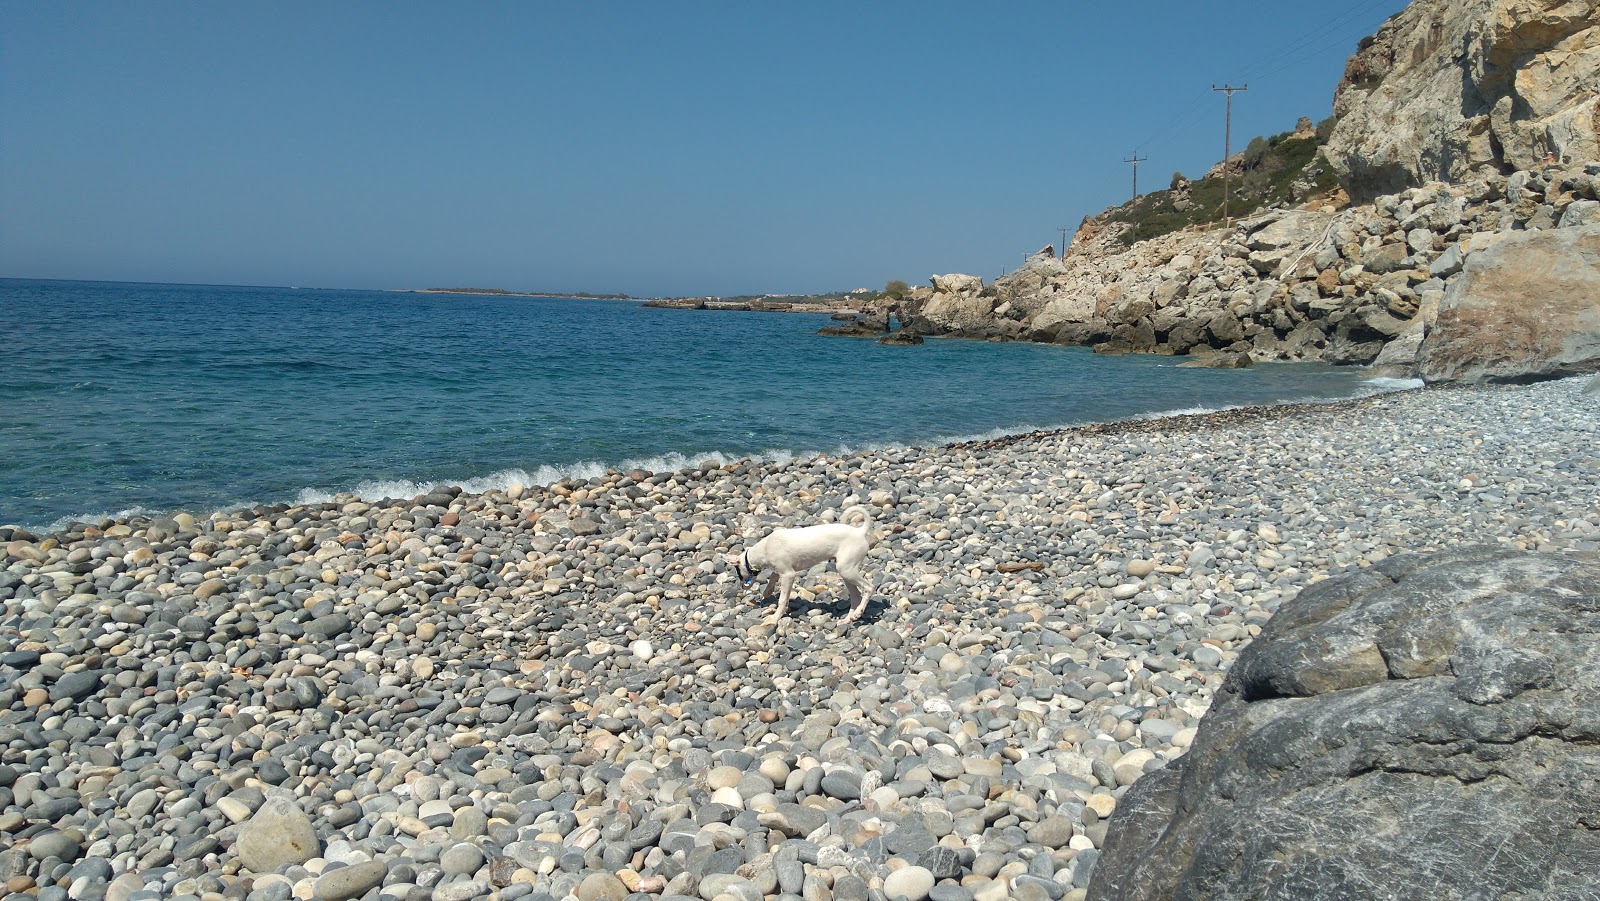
x=1497, y=279
x=1525, y=306
x=1362, y=285
x=852, y=329
x=900, y=339
x=1448, y=86
x=1220, y=361
x=1424, y=729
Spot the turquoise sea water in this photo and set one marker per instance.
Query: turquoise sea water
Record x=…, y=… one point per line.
x=118, y=397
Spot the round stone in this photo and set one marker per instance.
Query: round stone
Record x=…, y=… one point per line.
x=911, y=883
x=461, y=859
x=1052, y=832
x=352, y=881
x=59, y=845
x=601, y=887
x=723, y=777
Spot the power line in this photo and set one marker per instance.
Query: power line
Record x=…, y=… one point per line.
x=1314, y=51
x=1287, y=55
x=1284, y=51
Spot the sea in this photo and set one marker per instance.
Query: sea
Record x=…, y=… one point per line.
x=119, y=399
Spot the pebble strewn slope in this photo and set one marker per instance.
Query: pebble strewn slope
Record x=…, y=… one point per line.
x=562, y=691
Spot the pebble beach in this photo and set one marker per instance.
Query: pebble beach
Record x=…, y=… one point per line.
x=562, y=691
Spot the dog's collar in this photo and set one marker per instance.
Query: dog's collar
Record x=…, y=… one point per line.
x=746, y=572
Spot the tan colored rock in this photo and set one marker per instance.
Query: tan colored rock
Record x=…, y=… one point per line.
x=1328, y=282
x=1527, y=307
x=956, y=283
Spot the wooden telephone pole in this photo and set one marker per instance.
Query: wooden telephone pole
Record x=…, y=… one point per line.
x=1136, y=159
x=1227, y=145
x=1063, y=231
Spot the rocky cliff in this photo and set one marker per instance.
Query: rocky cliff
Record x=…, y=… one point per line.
x=1447, y=87
x=1465, y=124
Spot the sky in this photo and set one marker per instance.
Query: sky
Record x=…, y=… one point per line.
x=647, y=148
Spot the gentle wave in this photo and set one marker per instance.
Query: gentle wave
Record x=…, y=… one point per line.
x=295, y=365
x=1369, y=388
x=545, y=476
x=1386, y=385
x=506, y=479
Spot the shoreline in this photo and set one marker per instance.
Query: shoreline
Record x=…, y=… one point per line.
x=669, y=461
x=563, y=691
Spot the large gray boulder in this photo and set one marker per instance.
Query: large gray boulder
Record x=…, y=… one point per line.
x=967, y=315
x=1425, y=729
x=1526, y=307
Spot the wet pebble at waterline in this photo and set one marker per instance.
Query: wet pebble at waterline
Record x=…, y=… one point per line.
x=564, y=691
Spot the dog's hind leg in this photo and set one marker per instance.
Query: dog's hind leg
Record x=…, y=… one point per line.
x=860, y=590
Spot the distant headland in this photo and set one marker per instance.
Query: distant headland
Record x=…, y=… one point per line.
x=501, y=292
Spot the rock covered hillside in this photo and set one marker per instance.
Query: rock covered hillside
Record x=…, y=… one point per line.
x=1379, y=282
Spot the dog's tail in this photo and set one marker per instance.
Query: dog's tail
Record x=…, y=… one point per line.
x=864, y=518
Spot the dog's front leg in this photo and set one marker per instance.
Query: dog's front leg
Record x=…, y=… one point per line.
x=785, y=586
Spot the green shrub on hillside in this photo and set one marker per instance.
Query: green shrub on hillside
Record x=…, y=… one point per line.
x=1264, y=174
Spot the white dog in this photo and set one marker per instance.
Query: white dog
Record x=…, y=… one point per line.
x=790, y=552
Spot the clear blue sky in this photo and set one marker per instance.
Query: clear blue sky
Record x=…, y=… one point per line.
x=641, y=147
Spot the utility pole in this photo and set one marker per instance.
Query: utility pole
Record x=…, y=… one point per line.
x=1227, y=145
x=1136, y=159
x=1063, y=231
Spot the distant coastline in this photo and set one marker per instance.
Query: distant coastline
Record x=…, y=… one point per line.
x=498, y=292
x=838, y=303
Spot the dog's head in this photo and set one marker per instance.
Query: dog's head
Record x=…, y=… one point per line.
x=740, y=564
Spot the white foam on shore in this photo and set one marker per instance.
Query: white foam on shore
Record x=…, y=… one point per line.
x=1385, y=385
x=506, y=479
x=1368, y=388
x=120, y=515
x=549, y=475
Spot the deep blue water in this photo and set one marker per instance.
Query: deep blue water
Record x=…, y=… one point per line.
x=119, y=396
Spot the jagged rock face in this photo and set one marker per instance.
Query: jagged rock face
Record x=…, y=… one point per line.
x=1447, y=86
x=1526, y=306
x=1425, y=729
